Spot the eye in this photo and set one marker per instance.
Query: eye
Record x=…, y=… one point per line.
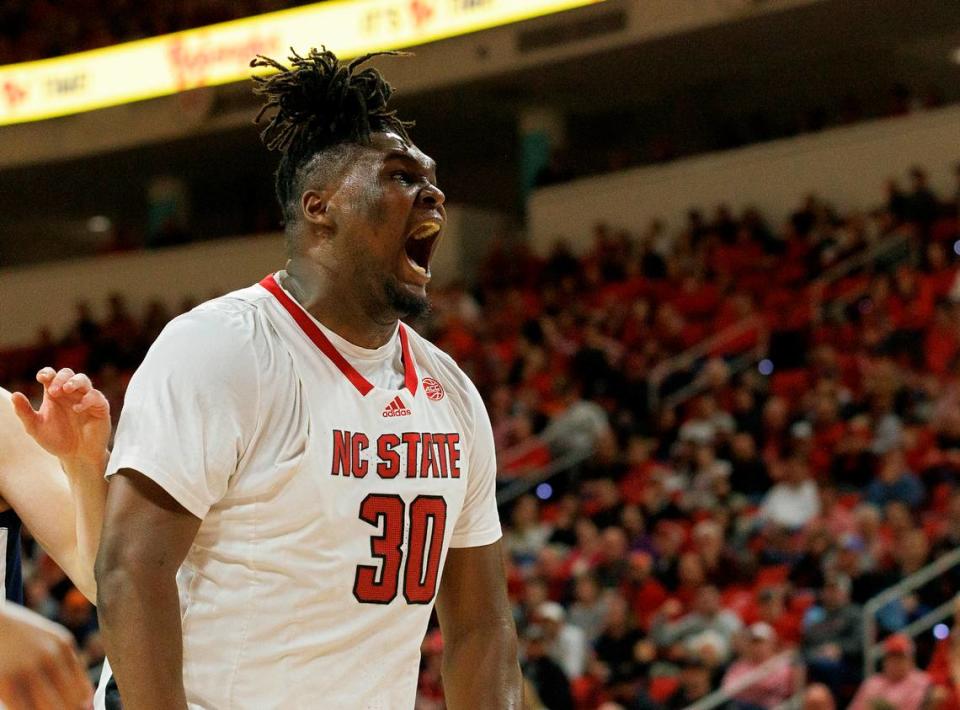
x=404, y=177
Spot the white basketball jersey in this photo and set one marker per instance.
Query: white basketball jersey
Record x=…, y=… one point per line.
x=328, y=503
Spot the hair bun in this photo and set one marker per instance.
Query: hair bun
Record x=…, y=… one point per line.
x=320, y=101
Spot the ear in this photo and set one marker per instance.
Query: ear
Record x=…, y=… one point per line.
x=313, y=206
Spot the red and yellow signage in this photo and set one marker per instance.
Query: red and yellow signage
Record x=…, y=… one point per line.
x=220, y=54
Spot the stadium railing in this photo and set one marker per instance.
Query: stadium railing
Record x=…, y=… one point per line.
x=872, y=648
x=531, y=480
x=722, y=696
x=896, y=247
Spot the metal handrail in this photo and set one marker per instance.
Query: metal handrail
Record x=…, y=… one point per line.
x=685, y=359
x=862, y=258
x=517, y=488
x=720, y=696
x=690, y=391
x=917, y=579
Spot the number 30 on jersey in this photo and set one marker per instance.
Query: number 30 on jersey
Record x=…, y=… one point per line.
x=428, y=522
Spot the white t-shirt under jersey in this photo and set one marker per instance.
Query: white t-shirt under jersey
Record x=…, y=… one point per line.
x=331, y=481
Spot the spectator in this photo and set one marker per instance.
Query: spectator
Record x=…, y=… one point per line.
x=818, y=697
x=899, y=685
x=616, y=647
x=778, y=680
x=852, y=562
x=642, y=590
x=895, y=482
x=695, y=684
x=748, y=474
x=923, y=204
x=832, y=638
x=589, y=609
x=794, y=501
x=772, y=609
x=708, y=620
x=577, y=427
x=545, y=675
x=527, y=534
x=566, y=643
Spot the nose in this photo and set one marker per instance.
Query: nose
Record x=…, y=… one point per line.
x=432, y=196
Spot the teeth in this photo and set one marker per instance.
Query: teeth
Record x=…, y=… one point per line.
x=416, y=267
x=425, y=230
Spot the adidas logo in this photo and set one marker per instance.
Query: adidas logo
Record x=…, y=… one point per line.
x=396, y=408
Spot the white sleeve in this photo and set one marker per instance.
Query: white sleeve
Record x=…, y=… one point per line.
x=479, y=521
x=191, y=408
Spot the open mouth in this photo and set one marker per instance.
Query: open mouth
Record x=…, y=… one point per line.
x=420, y=244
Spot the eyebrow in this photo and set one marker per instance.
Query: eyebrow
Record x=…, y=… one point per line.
x=405, y=157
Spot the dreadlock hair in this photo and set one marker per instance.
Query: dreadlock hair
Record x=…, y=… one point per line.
x=320, y=103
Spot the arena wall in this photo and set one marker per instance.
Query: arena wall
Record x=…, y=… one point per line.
x=45, y=295
x=848, y=165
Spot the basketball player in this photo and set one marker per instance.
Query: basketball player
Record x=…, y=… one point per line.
x=298, y=476
x=38, y=664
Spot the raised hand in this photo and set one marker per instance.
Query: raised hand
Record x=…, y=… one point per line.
x=39, y=668
x=73, y=421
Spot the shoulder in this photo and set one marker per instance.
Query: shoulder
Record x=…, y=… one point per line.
x=216, y=348
x=223, y=329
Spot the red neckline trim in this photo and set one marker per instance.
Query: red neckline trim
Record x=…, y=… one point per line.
x=410, y=379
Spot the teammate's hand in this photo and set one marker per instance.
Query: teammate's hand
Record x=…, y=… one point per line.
x=73, y=422
x=39, y=668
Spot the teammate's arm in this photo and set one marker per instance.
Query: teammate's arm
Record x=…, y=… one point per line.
x=480, y=668
x=146, y=537
x=63, y=512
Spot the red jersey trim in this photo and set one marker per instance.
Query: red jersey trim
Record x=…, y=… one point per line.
x=324, y=345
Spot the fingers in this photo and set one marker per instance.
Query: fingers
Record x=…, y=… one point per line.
x=65, y=675
x=59, y=380
x=78, y=384
x=45, y=375
x=94, y=403
x=24, y=411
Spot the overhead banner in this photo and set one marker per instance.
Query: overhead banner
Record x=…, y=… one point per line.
x=221, y=54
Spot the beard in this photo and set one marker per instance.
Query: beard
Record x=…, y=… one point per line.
x=404, y=303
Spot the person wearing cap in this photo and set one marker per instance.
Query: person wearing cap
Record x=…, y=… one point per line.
x=547, y=678
x=779, y=679
x=900, y=684
x=566, y=643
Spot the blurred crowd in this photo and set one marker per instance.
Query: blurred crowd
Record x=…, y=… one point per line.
x=693, y=542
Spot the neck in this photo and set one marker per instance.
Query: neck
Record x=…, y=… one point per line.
x=316, y=289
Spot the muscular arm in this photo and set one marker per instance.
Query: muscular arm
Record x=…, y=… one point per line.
x=146, y=537
x=480, y=667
